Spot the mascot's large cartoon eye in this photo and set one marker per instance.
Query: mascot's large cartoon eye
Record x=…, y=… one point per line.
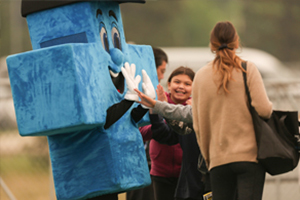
x=104, y=40
x=116, y=38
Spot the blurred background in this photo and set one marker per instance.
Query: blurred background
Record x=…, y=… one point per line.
x=270, y=35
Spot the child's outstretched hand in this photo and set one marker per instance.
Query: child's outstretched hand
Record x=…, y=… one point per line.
x=189, y=102
x=145, y=100
x=161, y=95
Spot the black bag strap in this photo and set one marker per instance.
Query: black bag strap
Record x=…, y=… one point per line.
x=244, y=65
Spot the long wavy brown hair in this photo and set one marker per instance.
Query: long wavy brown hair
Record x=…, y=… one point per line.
x=224, y=41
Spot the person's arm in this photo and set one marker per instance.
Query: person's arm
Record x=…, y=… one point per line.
x=161, y=132
x=146, y=132
x=170, y=111
x=180, y=127
x=116, y=111
x=138, y=113
x=176, y=112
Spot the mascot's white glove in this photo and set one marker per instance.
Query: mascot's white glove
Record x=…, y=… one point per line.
x=148, y=87
x=131, y=81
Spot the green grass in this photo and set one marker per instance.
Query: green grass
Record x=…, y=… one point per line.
x=24, y=164
x=26, y=177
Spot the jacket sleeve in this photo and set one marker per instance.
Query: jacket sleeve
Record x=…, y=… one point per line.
x=138, y=113
x=180, y=127
x=161, y=132
x=146, y=132
x=176, y=112
x=116, y=111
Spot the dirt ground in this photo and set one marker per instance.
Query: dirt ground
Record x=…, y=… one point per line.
x=32, y=187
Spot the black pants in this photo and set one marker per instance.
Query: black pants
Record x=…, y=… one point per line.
x=145, y=193
x=164, y=188
x=242, y=179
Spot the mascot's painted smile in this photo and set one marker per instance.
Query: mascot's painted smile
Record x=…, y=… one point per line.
x=118, y=80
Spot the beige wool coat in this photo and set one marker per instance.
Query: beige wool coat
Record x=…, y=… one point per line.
x=222, y=122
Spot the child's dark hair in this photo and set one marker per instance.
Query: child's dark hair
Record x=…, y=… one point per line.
x=159, y=56
x=182, y=70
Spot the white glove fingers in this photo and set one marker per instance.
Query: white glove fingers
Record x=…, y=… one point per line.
x=125, y=74
x=146, y=78
x=137, y=80
x=132, y=70
x=126, y=66
x=144, y=87
x=132, y=82
x=147, y=85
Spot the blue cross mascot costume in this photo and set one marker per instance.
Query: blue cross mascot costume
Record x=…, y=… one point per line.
x=71, y=88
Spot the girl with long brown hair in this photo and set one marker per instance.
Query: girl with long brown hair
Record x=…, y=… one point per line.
x=222, y=120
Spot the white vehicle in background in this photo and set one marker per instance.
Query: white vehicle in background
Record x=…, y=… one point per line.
x=196, y=57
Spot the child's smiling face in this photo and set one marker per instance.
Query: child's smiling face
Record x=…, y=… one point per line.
x=180, y=88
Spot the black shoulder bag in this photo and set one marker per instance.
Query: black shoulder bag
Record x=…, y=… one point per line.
x=277, y=145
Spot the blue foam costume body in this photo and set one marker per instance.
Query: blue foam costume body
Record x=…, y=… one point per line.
x=64, y=89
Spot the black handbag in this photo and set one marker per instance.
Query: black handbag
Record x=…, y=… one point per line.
x=277, y=145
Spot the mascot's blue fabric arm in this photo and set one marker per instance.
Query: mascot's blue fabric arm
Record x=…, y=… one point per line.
x=58, y=91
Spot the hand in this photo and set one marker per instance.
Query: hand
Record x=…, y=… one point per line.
x=189, y=102
x=161, y=95
x=131, y=81
x=145, y=100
